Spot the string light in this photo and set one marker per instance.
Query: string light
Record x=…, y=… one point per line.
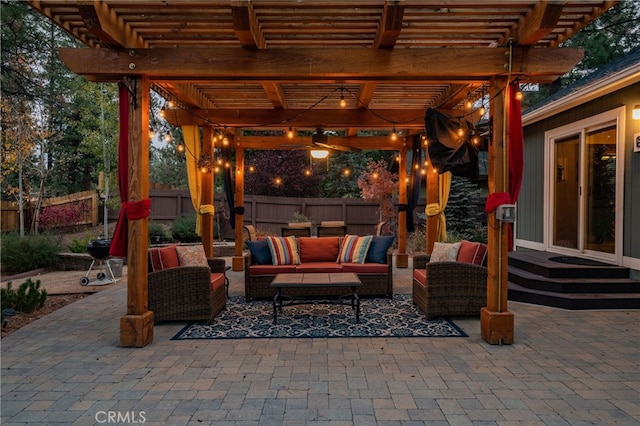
x=252, y=169
x=163, y=112
x=290, y=133
x=346, y=172
x=519, y=95
x=307, y=172
x=394, y=135
x=167, y=137
x=171, y=104
x=343, y=102
x=180, y=148
x=152, y=133
x=461, y=132
x=278, y=181
x=482, y=111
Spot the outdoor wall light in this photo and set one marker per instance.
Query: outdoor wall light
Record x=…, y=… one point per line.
x=319, y=154
x=506, y=213
x=636, y=112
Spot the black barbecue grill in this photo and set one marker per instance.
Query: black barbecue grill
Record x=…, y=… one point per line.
x=99, y=250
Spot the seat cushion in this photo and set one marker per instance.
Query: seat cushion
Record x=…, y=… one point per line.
x=420, y=275
x=255, y=270
x=169, y=257
x=471, y=252
x=155, y=263
x=326, y=267
x=260, y=252
x=377, y=252
x=284, y=250
x=444, y=252
x=365, y=268
x=319, y=249
x=354, y=249
x=217, y=281
x=192, y=256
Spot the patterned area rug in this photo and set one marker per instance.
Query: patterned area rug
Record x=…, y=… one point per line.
x=397, y=317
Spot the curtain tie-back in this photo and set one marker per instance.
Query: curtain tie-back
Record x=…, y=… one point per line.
x=136, y=210
x=207, y=209
x=433, y=209
x=496, y=199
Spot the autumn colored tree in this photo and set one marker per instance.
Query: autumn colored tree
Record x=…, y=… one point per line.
x=379, y=185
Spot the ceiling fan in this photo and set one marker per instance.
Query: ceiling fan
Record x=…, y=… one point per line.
x=320, y=140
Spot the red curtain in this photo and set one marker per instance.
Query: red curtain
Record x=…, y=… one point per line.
x=128, y=210
x=515, y=144
x=119, y=240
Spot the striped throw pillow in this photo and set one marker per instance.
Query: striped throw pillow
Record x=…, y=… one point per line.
x=354, y=249
x=284, y=250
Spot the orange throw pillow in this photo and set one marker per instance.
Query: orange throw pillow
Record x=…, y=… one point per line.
x=472, y=252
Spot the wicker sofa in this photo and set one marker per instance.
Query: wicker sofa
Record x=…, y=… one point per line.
x=320, y=255
x=182, y=292
x=450, y=288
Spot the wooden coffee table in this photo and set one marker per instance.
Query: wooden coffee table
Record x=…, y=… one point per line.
x=316, y=280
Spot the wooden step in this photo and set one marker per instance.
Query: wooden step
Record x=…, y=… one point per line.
x=574, y=301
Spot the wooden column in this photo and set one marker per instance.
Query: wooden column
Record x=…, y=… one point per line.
x=402, y=258
x=496, y=321
x=237, y=262
x=136, y=327
x=206, y=197
x=433, y=222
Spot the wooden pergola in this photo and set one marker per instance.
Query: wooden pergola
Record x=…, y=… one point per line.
x=253, y=64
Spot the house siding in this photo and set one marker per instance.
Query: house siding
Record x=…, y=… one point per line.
x=529, y=226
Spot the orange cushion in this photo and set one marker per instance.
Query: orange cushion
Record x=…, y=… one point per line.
x=319, y=249
x=271, y=269
x=420, y=275
x=169, y=257
x=217, y=281
x=365, y=268
x=154, y=259
x=472, y=252
x=326, y=267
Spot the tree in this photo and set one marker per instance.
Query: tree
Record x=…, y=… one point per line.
x=282, y=173
x=378, y=184
x=610, y=36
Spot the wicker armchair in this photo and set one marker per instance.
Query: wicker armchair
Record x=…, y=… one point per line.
x=184, y=293
x=452, y=288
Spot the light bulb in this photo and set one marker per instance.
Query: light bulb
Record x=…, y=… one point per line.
x=468, y=104
x=167, y=136
x=519, y=95
x=203, y=169
x=252, y=169
x=152, y=134
x=343, y=102
x=290, y=133
x=460, y=132
x=171, y=104
x=482, y=110
x=180, y=148
x=346, y=172
x=394, y=135
x=163, y=112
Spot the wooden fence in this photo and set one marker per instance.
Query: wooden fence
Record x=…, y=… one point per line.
x=10, y=215
x=267, y=214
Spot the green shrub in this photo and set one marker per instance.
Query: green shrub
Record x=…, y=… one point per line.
x=26, y=299
x=80, y=245
x=184, y=229
x=159, y=232
x=21, y=254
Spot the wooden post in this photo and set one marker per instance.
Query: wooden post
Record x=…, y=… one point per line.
x=206, y=197
x=433, y=222
x=402, y=258
x=136, y=327
x=495, y=321
x=237, y=261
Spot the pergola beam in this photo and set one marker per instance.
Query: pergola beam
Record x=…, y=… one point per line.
x=383, y=143
x=304, y=65
x=299, y=118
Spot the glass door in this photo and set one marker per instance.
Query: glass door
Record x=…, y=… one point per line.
x=583, y=191
x=566, y=192
x=600, y=209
